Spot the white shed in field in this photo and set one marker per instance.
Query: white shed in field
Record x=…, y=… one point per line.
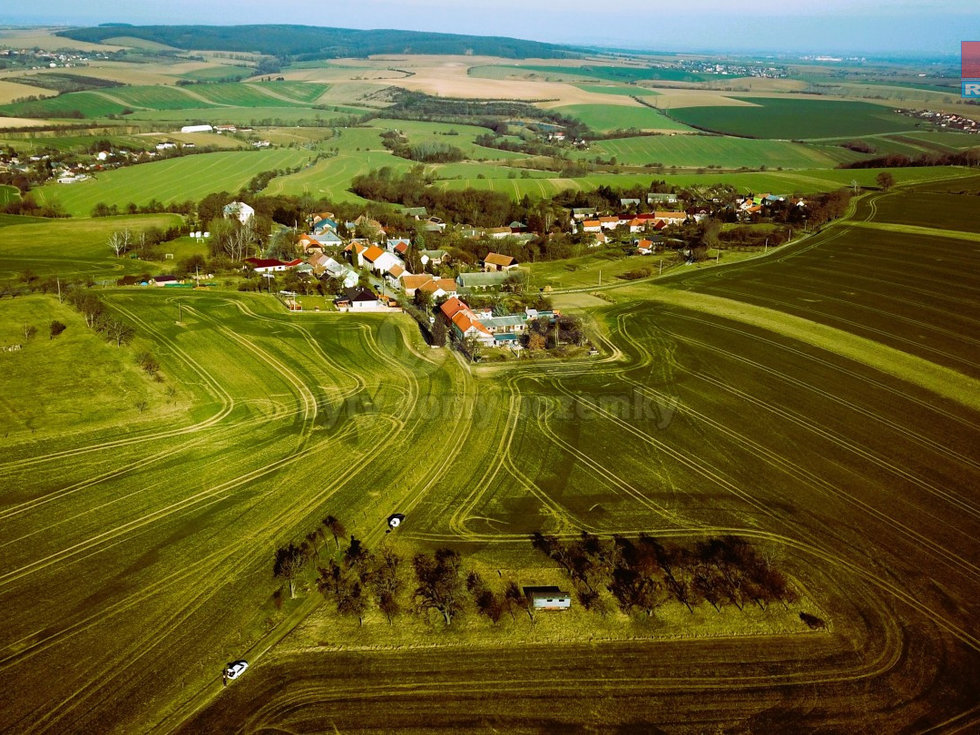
x=548, y=598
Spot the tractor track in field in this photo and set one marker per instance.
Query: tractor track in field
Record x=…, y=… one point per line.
x=856, y=327
x=920, y=439
x=743, y=333
x=790, y=468
x=227, y=405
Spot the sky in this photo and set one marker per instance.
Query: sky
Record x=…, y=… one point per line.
x=853, y=27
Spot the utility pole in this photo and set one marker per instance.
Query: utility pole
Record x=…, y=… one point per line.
x=600, y=278
x=661, y=267
x=58, y=279
x=767, y=247
x=179, y=312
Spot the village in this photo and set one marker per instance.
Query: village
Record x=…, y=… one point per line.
x=368, y=267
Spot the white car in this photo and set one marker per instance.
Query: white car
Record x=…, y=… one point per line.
x=236, y=669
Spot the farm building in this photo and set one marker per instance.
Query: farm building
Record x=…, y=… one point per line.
x=473, y=281
x=196, y=129
x=435, y=257
x=655, y=198
x=271, y=265
x=548, y=598
x=238, y=210
x=464, y=322
x=497, y=262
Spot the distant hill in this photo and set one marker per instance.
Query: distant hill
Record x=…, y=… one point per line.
x=304, y=43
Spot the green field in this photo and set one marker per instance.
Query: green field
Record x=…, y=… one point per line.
x=8, y=194
x=162, y=98
x=176, y=179
x=72, y=248
x=724, y=152
x=604, y=118
x=632, y=91
x=764, y=400
x=215, y=73
x=791, y=119
x=803, y=181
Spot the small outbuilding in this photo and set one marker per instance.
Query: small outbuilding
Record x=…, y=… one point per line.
x=548, y=598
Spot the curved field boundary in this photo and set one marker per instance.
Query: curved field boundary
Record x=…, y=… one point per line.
x=942, y=381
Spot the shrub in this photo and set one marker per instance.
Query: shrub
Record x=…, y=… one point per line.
x=57, y=328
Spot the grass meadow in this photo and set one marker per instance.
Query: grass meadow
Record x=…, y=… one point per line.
x=75, y=248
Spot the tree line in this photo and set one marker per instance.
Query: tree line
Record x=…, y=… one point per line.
x=356, y=580
x=640, y=575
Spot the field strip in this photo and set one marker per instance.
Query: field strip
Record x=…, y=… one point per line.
x=458, y=519
x=307, y=399
x=199, y=97
x=927, y=405
x=942, y=381
x=924, y=305
x=117, y=100
x=699, y=467
x=813, y=480
x=876, y=280
x=606, y=475
x=226, y=400
x=923, y=441
x=787, y=305
x=816, y=429
x=917, y=230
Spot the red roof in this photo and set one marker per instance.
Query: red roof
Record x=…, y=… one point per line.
x=373, y=253
x=266, y=262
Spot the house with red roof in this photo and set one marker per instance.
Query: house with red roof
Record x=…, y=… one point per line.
x=271, y=265
x=464, y=322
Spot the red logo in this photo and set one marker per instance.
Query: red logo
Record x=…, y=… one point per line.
x=970, y=59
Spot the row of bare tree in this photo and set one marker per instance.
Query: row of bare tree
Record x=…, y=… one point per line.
x=356, y=578
x=642, y=574
x=96, y=317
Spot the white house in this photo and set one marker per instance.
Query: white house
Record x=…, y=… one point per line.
x=239, y=210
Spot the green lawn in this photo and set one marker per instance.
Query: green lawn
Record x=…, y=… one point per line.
x=791, y=119
x=176, y=179
x=604, y=118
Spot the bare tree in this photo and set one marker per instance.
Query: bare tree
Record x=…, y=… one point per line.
x=386, y=583
x=515, y=600
x=288, y=563
x=351, y=601
x=336, y=528
x=120, y=241
x=440, y=586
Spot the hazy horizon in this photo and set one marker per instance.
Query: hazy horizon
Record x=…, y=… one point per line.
x=858, y=27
